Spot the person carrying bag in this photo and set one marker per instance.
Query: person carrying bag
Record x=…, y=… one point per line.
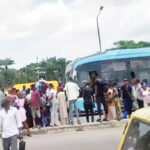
x=22, y=144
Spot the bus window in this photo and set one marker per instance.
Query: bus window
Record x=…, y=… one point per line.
x=138, y=136
x=140, y=64
x=116, y=76
x=82, y=76
x=142, y=74
x=113, y=66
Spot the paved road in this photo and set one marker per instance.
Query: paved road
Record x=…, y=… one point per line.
x=96, y=139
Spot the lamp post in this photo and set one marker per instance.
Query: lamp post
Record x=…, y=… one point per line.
x=98, y=31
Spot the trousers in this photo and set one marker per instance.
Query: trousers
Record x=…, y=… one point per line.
x=103, y=101
x=73, y=108
x=10, y=143
x=54, y=112
x=89, y=107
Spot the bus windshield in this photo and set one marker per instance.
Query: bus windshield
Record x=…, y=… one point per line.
x=138, y=137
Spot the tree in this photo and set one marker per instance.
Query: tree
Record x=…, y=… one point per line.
x=49, y=68
x=29, y=73
x=54, y=68
x=130, y=44
x=4, y=69
x=6, y=62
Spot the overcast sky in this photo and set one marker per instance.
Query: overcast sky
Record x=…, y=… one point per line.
x=67, y=28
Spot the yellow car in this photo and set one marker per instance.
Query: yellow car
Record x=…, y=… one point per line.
x=20, y=86
x=28, y=85
x=137, y=132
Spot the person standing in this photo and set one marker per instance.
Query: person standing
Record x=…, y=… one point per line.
x=22, y=112
x=52, y=98
x=44, y=112
x=146, y=95
x=139, y=94
x=111, y=104
x=134, y=96
x=62, y=106
x=100, y=98
x=116, y=92
x=28, y=109
x=24, y=90
x=126, y=92
x=2, y=96
x=72, y=93
x=35, y=106
x=10, y=125
x=88, y=102
x=12, y=96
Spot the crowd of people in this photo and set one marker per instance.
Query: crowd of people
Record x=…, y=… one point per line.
x=118, y=102
x=42, y=105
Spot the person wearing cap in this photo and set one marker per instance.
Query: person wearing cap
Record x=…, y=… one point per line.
x=10, y=125
x=126, y=95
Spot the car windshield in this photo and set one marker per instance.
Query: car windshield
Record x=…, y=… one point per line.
x=138, y=137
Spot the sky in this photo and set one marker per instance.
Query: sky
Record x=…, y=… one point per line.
x=67, y=28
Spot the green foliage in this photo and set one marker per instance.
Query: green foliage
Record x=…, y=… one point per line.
x=6, y=75
x=130, y=44
x=54, y=68
x=49, y=68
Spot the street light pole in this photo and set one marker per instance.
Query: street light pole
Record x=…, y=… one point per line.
x=98, y=31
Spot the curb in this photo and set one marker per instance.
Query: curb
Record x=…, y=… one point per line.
x=82, y=127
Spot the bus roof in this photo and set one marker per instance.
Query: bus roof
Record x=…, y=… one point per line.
x=143, y=113
x=117, y=54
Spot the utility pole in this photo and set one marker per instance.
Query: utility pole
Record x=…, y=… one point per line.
x=98, y=30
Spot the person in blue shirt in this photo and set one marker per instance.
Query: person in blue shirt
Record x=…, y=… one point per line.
x=24, y=90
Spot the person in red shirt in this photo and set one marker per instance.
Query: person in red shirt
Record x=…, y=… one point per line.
x=35, y=106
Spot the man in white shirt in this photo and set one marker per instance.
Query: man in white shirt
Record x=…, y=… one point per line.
x=53, y=101
x=72, y=93
x=10, y=125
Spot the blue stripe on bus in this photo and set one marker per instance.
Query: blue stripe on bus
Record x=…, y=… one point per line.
x=118, y=54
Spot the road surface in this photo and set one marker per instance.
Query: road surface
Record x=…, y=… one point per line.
x=95, y=139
